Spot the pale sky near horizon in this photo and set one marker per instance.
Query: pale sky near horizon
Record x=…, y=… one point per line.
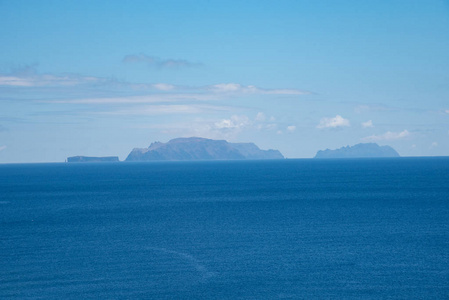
x=99, y=78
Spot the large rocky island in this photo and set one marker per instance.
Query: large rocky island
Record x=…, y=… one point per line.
x=195, y=148
x=358, y=151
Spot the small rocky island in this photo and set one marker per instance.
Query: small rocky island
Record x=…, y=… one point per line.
x=358, y=151
x=92, y=159
x=195, y=148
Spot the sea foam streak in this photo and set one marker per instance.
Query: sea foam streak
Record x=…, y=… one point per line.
x=195, y=263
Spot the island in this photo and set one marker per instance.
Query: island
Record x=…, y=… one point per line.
x=358, y=151
x=196, y=148
x=92, y=159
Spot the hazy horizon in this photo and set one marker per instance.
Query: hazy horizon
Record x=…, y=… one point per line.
x=99, y=79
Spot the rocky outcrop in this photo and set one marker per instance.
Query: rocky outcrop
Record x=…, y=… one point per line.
x=358, y=151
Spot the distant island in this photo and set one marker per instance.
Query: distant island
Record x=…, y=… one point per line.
x=195, y=148
x=358, y=151
x=92, y=159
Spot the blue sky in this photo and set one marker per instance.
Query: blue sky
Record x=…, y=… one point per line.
x=100, y=78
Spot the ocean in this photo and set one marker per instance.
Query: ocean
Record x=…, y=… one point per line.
x=281, y=229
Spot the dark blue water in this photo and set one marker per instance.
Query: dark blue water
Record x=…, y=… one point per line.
x=298, y=229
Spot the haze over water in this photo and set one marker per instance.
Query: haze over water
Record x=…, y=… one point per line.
x=339, y=229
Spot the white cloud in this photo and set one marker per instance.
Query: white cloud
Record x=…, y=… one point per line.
x=34, y=80
x=388, y=136
x=163, y=86
x=166, y=110
x=226, y=128
x=187, y=129
x=338, y=121
x=235, y=122
x=216, y=129
x=261, y=122
x=447, y=111
x=231, y=127
x=169, y=93
x=367, y=124
x=15, y=81
x=291, y=128
x=226, y=87
x=82, y=88
x=2, y=148
x=152, y=98
x=260, y=117
x=251, y=89
x=433, y=145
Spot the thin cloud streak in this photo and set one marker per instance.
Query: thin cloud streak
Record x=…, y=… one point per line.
x=86, y=85
x=34, y=80
x=155, y=98
x=388, y=136
x=168, y=109
x=171, y=93
x=153, y=61
x=235, y=88
x=80, y=89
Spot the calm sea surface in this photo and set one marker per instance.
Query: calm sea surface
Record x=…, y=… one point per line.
x=291, y=229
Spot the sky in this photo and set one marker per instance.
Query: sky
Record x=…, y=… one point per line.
x=99, y=78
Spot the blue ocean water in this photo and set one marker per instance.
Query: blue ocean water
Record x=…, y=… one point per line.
x=290, y=229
